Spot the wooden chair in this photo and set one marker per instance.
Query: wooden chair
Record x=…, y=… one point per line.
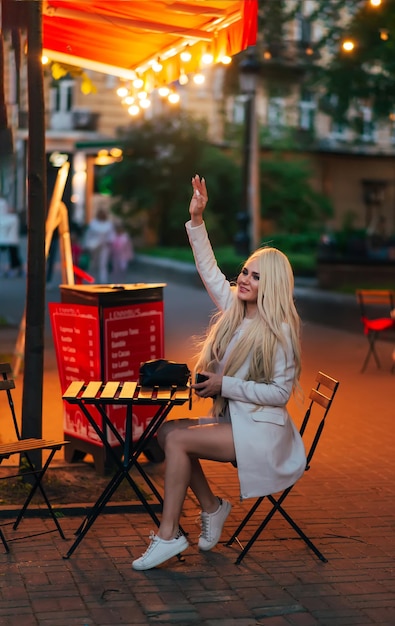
x=24, y=447
x=321, y=398
x=375, y=306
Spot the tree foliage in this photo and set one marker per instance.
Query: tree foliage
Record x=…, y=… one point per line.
x=160, y=157
x=287, y=196
x=364, y=76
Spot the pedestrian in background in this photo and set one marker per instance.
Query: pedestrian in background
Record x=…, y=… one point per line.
x=9, y=238
x=121, y=252
x=97, y=241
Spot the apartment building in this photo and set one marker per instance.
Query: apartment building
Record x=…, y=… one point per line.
x=356, y=171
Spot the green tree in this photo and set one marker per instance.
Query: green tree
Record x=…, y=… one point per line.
x=160, y=157
x=287, y=196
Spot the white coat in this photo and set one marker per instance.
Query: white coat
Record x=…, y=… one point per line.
x=270, y=453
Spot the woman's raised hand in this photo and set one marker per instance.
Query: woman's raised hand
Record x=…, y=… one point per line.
x=198, y=201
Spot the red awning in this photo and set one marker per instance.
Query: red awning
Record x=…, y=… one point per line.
x=124, y=36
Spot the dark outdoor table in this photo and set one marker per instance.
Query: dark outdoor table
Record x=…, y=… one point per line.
x=100, y=395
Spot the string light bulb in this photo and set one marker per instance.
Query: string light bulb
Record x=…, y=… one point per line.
x=384, y=34
x=186, y=55
x=199, y=79
x=145, y=104
x=138, y=83
x=183, y=78
x=207, y=58
x=122, y=92
x=157, y=65
x=226, y=59
x=134, y=110
x=348, y=45
x=375, y=3
x=173, y=97
x=163, y=91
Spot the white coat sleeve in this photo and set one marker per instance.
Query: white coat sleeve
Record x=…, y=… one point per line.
x=216, y=283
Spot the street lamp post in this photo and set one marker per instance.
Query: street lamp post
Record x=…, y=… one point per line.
x=248, y=236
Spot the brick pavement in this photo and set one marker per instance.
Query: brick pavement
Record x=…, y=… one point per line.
x=345, y=504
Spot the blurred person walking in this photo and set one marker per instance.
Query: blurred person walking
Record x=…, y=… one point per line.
x=9, y=238
x=98, y=239
x=121, y=252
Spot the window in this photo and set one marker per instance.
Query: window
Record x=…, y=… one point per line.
x=307, y=108
x=276, y=113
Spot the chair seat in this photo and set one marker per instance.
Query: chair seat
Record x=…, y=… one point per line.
x=378, y=324
x=27, y=445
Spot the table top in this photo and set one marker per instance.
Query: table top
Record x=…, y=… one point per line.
x=126, y=392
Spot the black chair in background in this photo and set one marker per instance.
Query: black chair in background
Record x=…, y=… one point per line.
x=321, y=398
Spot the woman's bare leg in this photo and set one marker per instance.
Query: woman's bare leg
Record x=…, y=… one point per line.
x=183, y=447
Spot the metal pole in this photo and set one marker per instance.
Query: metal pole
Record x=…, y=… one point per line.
x=254, y=205
x=242, y=239
x=37, y=192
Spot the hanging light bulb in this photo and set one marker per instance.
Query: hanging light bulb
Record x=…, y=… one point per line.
x=138, y=83
x=157, y=65
x=122, y=92
x=142, y=95
x=199, y=79
x=384, y=34
x=186, y=55
x=145, y=104
x=163, y=91
x=207, y=58
x=44, y=59
x=375, y=3
x=226, y=59
x=183, y=78
x=134, y=110
x=173, y=97
x=129, y=100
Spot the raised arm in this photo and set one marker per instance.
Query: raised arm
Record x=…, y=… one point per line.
x=198, y=201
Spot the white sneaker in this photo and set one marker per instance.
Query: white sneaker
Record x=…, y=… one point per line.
x=212, y=524
x=160, y=550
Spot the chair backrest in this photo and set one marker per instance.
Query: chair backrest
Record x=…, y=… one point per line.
x=375, y=302
x=321, y=398
x=6, y=384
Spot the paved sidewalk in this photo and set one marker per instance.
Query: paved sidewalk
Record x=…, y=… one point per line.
x=345, y=504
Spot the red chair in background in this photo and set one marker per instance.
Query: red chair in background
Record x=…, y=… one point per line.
x=376, y=306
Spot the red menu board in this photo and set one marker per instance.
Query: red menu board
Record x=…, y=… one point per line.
x=130, y=334
x=76, y=335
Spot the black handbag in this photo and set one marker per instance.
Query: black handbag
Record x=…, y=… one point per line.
x=163, y=373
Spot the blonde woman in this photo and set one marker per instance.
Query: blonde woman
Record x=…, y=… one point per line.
x=251, y=361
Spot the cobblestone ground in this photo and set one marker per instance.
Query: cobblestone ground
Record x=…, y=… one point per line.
x=344, y=504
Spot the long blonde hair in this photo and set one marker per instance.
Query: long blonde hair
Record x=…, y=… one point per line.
x=275, y=306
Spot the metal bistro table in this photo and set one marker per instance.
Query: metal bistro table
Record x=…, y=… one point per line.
x=99, y=395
